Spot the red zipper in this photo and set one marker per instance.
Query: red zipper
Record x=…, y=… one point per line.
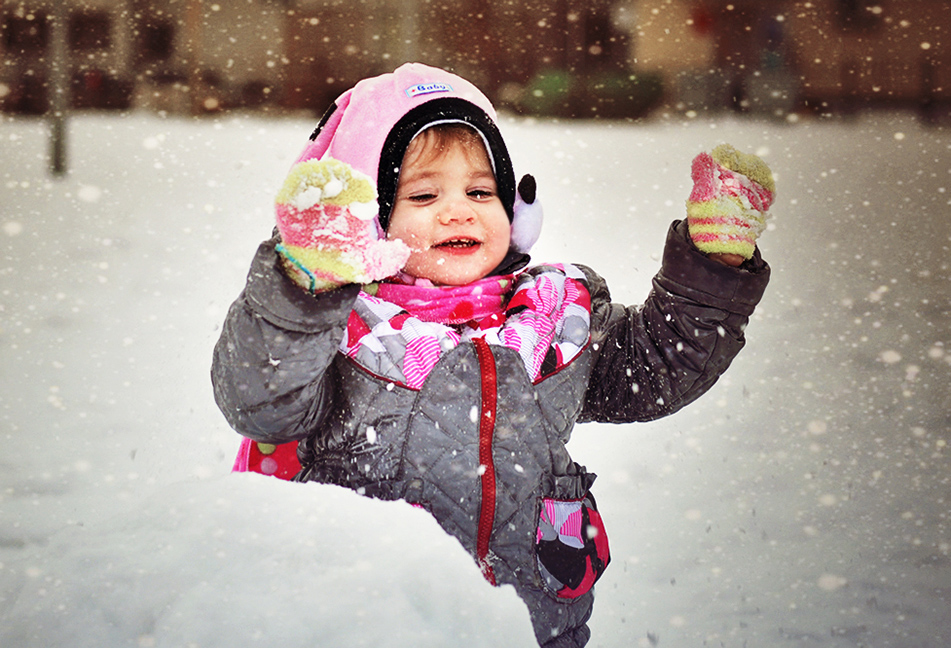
x=486, y=463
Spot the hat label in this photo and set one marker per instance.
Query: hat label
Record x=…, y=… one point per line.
x=427, y=88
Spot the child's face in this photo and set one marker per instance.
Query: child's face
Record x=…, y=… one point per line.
x=447, y=210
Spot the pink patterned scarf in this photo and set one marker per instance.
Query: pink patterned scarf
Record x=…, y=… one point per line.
x=448, y=304
x=400, y=332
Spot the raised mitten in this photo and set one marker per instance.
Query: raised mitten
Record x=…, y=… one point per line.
x=729, y=204
x=326, y=214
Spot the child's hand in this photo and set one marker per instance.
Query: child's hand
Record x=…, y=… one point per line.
x=326, y=213
x=727, y=209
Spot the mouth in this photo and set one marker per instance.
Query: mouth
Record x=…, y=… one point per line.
x=461, y=243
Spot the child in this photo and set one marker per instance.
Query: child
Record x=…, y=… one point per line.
x=393, y=332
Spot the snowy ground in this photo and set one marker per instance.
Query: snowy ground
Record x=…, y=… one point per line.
x=804, y=501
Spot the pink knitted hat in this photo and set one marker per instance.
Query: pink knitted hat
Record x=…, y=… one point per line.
x=356, y=127
x=370, y=125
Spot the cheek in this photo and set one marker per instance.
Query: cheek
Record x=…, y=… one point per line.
x=399, y=232
x=503, y=234
x=404, y=227
x=416, y=243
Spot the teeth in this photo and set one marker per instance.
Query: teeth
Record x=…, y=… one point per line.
x=458, y=243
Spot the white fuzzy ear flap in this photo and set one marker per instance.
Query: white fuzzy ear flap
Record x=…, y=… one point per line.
x=527, y=216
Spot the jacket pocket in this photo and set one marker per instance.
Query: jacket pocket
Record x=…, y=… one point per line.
x=571, y=546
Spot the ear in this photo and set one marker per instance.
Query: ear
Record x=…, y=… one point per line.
x=527, y=216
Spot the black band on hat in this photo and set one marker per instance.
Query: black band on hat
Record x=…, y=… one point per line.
x=451, y=110
x=323, y=120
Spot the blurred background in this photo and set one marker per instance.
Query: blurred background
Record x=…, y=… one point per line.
x=616, y=59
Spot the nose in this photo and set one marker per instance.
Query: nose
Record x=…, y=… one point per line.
x=456, y=210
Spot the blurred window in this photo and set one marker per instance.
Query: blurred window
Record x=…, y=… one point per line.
x=25, y=34
x=858, y=14
x=155, y=42
x=89, y=31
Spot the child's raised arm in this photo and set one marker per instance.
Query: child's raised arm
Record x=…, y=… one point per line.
x=656, y=358
x=271, y=364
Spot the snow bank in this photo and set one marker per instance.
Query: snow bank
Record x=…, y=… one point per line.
x=247, y=560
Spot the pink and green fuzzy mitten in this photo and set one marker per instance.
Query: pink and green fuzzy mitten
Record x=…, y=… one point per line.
x=326, y=214
x=727, y=209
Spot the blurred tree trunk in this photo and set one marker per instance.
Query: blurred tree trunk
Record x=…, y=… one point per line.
x=123, y=30
x=58, y=87
x=193, y=53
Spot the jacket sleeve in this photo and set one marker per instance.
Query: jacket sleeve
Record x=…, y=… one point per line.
x=654, y=359
x=272, y=368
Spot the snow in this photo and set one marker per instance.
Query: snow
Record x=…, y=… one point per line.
x=804, y=501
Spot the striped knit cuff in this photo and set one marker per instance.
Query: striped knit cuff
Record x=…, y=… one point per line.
x=723, y=225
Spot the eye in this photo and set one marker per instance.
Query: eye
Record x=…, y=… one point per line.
x=421, y=197
x=481, y=194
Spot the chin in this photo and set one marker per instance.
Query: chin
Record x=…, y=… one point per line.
x=447, y=274
x=454, y=280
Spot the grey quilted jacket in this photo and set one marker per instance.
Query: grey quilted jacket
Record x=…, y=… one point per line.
x=278, y=377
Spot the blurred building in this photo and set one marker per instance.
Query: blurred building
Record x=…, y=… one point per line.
x=781, y=55
x=194, y=55
x=175, y=55
x=570, y=57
